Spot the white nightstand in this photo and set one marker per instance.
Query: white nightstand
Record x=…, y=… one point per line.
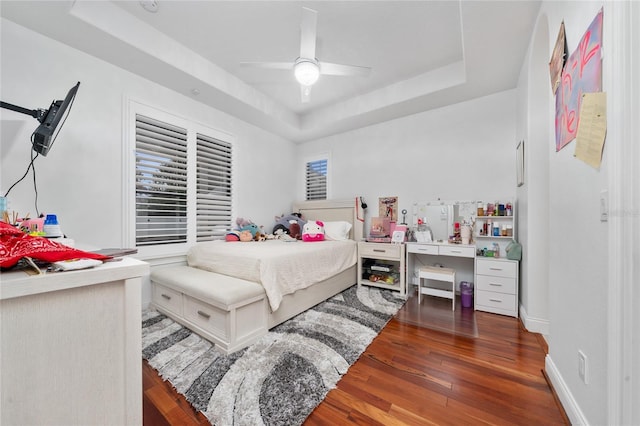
x=497, y=286
x=382, y=265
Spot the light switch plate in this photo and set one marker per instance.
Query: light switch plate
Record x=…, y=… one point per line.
x=604, y=206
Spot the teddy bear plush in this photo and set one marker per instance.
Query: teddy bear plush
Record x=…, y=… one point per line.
x=313, y=231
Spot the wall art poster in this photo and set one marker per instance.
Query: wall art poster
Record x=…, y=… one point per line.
x=582, y=73
x=557, y=59
x=388, y=207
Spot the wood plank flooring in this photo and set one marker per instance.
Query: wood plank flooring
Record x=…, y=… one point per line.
x=429, y=365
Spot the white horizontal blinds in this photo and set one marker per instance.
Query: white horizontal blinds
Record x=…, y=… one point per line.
x=213, y=183
x=161, y=182
x=316, y=180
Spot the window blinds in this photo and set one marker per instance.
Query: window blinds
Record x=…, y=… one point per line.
x=316, y=180
x=161, y=182
x=213, y=199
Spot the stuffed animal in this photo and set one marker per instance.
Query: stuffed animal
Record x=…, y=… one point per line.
x=284, y=222
x=313, y=231
x=246, y=236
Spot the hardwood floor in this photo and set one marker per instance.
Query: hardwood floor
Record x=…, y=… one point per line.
x=428, y=366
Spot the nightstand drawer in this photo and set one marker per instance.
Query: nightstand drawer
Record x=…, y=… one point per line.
x=496, y=268
x=167, y=298
x=379, y=250
x=453, y=250
x=422, y=249
x=498, y=284
x=492, y=299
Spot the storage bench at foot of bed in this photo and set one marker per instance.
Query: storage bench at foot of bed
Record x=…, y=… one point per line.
x=228, y=311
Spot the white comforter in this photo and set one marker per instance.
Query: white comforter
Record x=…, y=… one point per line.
x=281, y=267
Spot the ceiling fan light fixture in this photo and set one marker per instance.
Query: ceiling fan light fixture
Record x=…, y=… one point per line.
x=307, y=72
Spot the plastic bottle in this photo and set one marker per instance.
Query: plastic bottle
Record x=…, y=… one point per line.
x=496, y=229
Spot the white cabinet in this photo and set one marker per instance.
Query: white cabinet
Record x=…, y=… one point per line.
x=70, y=346
x=496, y=288
x=382, y=265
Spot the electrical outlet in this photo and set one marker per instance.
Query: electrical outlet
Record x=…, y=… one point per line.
x=582, y=367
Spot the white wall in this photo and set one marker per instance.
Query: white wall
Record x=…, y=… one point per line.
x=564, y=192
x=460, y=152
x=81, y=180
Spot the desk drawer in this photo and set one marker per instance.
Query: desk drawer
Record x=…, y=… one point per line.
x=422, y=249
x=496, y=268
x=497, y=284
x=167, y=298
x=458, y=251
x=506, y=302
x=379, y=250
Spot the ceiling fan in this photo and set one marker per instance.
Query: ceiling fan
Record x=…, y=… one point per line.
x=307, y=68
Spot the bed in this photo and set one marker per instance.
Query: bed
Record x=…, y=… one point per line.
x=254, y=286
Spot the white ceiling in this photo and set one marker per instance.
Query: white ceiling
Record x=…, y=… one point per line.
x=423, y=54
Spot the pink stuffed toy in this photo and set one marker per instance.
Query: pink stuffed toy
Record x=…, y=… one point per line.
x=313, y=231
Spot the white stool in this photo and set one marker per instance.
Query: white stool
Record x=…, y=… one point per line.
x=438, y=274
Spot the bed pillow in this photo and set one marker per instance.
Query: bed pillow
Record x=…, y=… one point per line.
x=337, y=231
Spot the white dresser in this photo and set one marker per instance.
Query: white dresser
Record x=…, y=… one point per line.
x=496, y=285
x=71, y=346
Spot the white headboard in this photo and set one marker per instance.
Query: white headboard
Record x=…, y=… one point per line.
x=333, y=210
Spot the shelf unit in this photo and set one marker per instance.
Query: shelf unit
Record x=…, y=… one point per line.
x=377, y=261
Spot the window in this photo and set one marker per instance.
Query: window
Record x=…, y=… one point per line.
x=316, y=178
x=183, y=182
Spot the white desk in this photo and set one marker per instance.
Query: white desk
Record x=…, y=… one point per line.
x=70, y=345
x=495, y=279
x=455, y=256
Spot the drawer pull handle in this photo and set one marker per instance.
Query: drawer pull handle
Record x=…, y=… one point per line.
x=204, y=314
x=379, y=251
x=495, y=284
x=456, y=251
x=496, y=269
x=166, y=296
x=495, y=300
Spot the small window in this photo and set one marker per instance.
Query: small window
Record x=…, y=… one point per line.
x=316, y=174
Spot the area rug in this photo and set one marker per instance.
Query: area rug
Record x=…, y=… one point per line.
x=280, y=379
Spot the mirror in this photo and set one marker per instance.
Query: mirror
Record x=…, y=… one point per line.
x=439, y=217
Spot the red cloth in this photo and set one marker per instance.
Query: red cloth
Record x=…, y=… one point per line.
x=15, y=244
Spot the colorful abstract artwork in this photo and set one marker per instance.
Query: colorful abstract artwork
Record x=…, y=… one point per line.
x=582, y=73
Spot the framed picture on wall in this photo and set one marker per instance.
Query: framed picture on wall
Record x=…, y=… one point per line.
x=520, y=163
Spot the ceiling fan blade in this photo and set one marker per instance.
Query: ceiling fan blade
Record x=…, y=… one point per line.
x=270, y=65
x=327, y=68
x=308, y=33
x=305, y=93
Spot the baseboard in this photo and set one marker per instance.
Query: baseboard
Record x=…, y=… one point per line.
x=567, y=400
x=534, y=325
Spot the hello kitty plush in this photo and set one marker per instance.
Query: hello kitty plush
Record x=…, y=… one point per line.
x=313, y=231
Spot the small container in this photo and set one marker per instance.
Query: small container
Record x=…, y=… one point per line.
x=496, y=250
x=466, y=294
x=496, y=229
x=501, y=210
x=480, y=209
x=509, y=209
x=503, y=231
x=509, y=230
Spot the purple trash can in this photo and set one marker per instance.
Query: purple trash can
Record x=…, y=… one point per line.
x=466, y=294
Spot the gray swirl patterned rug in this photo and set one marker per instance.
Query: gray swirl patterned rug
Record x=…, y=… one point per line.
x=281, y=378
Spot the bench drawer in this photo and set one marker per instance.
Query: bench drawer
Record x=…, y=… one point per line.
x=167, y=298
x=207, y=317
